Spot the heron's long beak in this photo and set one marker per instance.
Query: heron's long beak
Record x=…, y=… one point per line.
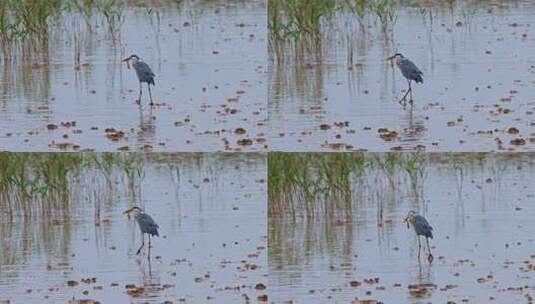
x=127, y=213
x=127, y=60
x=391, y=59
x=406, y=221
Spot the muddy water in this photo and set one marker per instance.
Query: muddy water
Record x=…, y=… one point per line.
x=479, y=81
x=209, y=61
x=483, y=242
x=211, y=213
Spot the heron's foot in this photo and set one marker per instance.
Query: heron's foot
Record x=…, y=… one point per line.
x=152, y=104
x=138, y=251
x=410, y=101
x=430, y=258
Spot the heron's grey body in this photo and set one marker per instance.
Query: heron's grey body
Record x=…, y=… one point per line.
x=410, y=71
x=146, y=224
x=422, y=228
x=144, y=74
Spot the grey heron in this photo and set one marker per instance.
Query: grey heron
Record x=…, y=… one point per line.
x=144, y=74
x=409, y=70
x=146, y=224
x=422, y=228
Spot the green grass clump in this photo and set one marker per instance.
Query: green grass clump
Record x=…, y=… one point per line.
x=45, y=183
x=311, y=185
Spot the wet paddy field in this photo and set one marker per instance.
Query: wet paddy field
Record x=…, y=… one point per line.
x=212, y=244
x=337, y=92
x=69, y=91
x=480, y=206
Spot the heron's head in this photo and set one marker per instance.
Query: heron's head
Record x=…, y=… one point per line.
x=134, y=210
x=409, y=217
x=396, y=57
x=133, y=57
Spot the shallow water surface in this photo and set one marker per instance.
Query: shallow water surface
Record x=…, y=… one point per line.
x=209, y=60
x=483, y=243
x=211, y=213
x=477, y=95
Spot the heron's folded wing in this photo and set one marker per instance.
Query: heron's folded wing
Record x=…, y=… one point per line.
x=146, y=220
x=422, y=222
x=145, y=69
x=409, y=66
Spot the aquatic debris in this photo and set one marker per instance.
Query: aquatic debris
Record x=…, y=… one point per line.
x=89, y=280
x=417, y=290
x=113, y=134
x=231, y=111
x=245, y=142
x=371, y=280
x=387, y=135
x=512, y=130
x=51, y=126
x=485, y=279
x=84, y=301
x=449, y=286
x=72, y=283
x=167, y=286
x=518, y=141
x=355, y=283
x=68, y=124
x=133, y=290
x=240, y=131
x=260, y=286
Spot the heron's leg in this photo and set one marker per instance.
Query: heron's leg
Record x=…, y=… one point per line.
x=410, y=90
x=142, y=243
x=140, y=93
x=404, y=98
x=150, y=95
x=149, y=247
x=428, y=247
x=419, y=247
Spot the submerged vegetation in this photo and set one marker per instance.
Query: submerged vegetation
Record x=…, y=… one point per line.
x=20, y=19
x=35, y=183
x=52, y=185
x=333, y=185
x=30, y=23
x=303, y=25
x=313, y=185
x=298, y=19
x=310, y=26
